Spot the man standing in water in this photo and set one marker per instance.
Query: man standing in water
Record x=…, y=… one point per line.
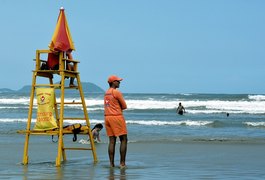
x=115, y=124
x=180, y=109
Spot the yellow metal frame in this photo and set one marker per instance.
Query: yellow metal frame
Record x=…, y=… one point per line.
x=59, y=115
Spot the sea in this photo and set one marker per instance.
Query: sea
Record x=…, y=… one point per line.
x=153, y=117
x=219, y=119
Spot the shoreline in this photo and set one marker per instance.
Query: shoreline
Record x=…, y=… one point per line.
x=183, y=160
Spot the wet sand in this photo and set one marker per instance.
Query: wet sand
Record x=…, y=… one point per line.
x=152, y=160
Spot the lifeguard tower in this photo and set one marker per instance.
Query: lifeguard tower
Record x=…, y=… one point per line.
x=61, y=43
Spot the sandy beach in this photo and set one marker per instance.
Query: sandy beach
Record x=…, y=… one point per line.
x=152, y=160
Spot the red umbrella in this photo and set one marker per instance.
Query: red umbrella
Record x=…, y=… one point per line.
x=61, y=40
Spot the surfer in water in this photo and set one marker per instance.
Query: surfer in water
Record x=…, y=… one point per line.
x=180, y=109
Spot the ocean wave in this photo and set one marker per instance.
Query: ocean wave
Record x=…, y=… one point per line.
x=257, y=97
x=9, y=107
x=210, y=140
x=198, y=123
x=227, y=140
x=192, y=106
x=255, y=124
x=176, y=123
x=14, y=100
x=140, y=122
x=33, y=120
x=186, y=94
x=9, y=120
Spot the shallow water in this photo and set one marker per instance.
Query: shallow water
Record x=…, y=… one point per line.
x=197, y=160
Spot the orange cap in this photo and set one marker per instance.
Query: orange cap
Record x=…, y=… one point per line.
x=114, y=78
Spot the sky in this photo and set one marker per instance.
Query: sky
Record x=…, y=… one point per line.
x=156, y=46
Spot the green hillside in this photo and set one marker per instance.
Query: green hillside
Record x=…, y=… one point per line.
x=87, y=88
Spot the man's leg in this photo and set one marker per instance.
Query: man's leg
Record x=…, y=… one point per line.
x=123, y=149
x=71, y=68
x=112, y=143
x=71, y=81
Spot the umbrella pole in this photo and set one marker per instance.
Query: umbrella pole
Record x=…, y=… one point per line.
x=60, y=139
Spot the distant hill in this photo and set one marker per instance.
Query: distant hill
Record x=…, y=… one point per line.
x=2, y=90
x=91, y=88
x=87, y=87
x=26, y=88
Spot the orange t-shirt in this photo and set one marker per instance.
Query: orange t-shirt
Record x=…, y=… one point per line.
x=114, y=102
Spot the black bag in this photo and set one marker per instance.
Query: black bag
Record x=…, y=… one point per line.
x=75, y=128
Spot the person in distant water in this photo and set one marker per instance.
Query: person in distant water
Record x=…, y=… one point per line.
x=115, y=124
x=95, y=132
x=180, y=109
x=227, y=114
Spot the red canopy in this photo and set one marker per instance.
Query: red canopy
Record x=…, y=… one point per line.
x=62, y=39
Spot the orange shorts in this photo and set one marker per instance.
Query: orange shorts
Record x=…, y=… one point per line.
x=115, y=125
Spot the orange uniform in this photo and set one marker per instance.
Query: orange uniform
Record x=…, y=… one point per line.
x=114, y=104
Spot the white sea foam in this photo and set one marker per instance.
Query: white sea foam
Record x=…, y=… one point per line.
x=150, y=104
x=14, y=100
x=216, y=106
x=186, y=94
x=255, y=124
x=255, y=106
x=176, y=123
x=9, y=107
x=33, y=120
x=257, y=97
x=139, y=122
x=213, y=106
x=13, y=120
x=197, y=123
